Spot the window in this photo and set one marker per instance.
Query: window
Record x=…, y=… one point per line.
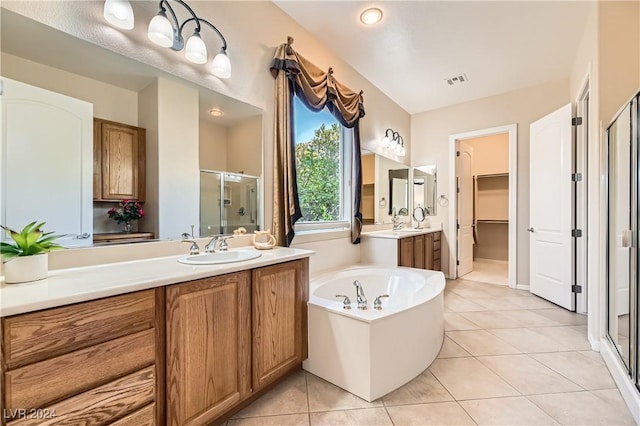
x=323, y=174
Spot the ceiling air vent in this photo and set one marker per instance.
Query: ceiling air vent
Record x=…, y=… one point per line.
x=462, y=78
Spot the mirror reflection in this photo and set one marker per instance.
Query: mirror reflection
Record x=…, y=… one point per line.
x=399, y=192
x=424, y=189
x=376, y=187
x=168, y=129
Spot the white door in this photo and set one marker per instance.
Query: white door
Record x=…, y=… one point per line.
x=464, y=179
x=550, y=207
x=47, y=161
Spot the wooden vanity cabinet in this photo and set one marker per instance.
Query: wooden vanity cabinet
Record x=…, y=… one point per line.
x=118, y=161
x=420, y=251
x=92, y=363
x=208, y=347
x=230, y=337
x=279, y=327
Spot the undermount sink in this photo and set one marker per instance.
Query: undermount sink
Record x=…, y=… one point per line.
x=220, y=257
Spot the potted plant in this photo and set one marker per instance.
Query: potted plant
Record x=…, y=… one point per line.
x=27, y=260
x=126, y=212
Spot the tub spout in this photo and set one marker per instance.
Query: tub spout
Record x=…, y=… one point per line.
x=360, y=297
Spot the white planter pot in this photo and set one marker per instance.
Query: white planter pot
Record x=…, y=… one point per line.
x=24, y=269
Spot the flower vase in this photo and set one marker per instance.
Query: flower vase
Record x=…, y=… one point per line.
x=126, y=226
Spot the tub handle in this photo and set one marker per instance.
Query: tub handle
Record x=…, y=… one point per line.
x=377, y=304
x=346, y=303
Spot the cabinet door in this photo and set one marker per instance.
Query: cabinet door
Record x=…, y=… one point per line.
x=208, y=347
x=45, y=162
x=122, y=159
x=428, y=251
x=405, y=252
x=279, y=317
x=418, y=252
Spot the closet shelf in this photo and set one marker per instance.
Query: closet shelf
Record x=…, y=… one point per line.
x=492, y=175
x=492, y=221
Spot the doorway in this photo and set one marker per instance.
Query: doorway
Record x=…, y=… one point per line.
x=482, y=217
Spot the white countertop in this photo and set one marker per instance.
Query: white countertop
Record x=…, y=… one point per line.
x=396, y=235
x=66, y=286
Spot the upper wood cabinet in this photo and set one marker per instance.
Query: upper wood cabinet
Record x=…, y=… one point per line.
x=118, y=161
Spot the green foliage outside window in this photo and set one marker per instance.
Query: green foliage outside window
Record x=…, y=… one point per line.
x=318, y=172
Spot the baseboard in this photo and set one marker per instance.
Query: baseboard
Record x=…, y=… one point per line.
x=525, y=287
x=625, y=386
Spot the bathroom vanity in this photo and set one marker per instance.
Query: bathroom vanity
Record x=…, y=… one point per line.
x=413, y=248
x=151, y=342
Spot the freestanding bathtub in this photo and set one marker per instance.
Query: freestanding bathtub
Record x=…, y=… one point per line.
x=372, y=352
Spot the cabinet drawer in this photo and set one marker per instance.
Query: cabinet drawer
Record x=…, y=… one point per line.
x=101, y=405
x=436, y=265
x=436, y=255
x=437, y=236
x=37, y=385
x=436, y=244
x=39, y=335
x=142, y=417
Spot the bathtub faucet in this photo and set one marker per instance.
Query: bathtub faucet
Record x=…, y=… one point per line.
x=360, y=297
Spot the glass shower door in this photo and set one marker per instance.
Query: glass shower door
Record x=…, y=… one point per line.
x=240, y=203
x=210, y=197
x=622, y=236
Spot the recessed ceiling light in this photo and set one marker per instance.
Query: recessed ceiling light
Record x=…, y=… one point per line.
x=216, y=112
x=371, y=16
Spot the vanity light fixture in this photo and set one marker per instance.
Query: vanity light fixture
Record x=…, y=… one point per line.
x=167, y=32
x=393, y=142
x=119, y=13
x=371, y=16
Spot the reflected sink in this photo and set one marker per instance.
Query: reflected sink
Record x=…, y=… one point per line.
x=220, y=257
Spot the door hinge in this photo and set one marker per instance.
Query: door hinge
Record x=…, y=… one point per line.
x=457, y=263
x=576, y=121
x=576, y=177
x=458, y=189
x=457, y=153
x=457, y=225
x=576, y=233
x=576, y=288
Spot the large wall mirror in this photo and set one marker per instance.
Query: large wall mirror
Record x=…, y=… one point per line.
x=228, y=132
x=380, y=175
x=425, y=189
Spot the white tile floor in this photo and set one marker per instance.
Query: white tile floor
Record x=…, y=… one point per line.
x=508, y=358
x=489, y=271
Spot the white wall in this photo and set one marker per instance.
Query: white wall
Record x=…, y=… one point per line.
x=178, y=168
x=244, y=147
x=109, y=102
x=433, y=128
x=213, y=146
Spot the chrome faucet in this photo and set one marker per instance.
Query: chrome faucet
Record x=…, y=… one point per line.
x=360, y=297
x=194, y=249
x=397, y=223
x=220, y=241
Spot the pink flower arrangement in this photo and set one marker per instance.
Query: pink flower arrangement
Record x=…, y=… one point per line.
x=126, y=211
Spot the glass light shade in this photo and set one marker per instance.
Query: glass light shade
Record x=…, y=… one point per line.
x=402, y=151
x=371, y=16
x=119, y=13
x=221, y=66
x=385, y=142
x=196, y=51
x=160, y=30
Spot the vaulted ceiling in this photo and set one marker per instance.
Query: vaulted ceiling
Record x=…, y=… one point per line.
x=499, y=46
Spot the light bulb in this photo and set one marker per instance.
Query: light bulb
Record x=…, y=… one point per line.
x=385, y=142
x=221, y=66
x=160, y=30
x=119, y=13
x=196, y=51
x=371, y=16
